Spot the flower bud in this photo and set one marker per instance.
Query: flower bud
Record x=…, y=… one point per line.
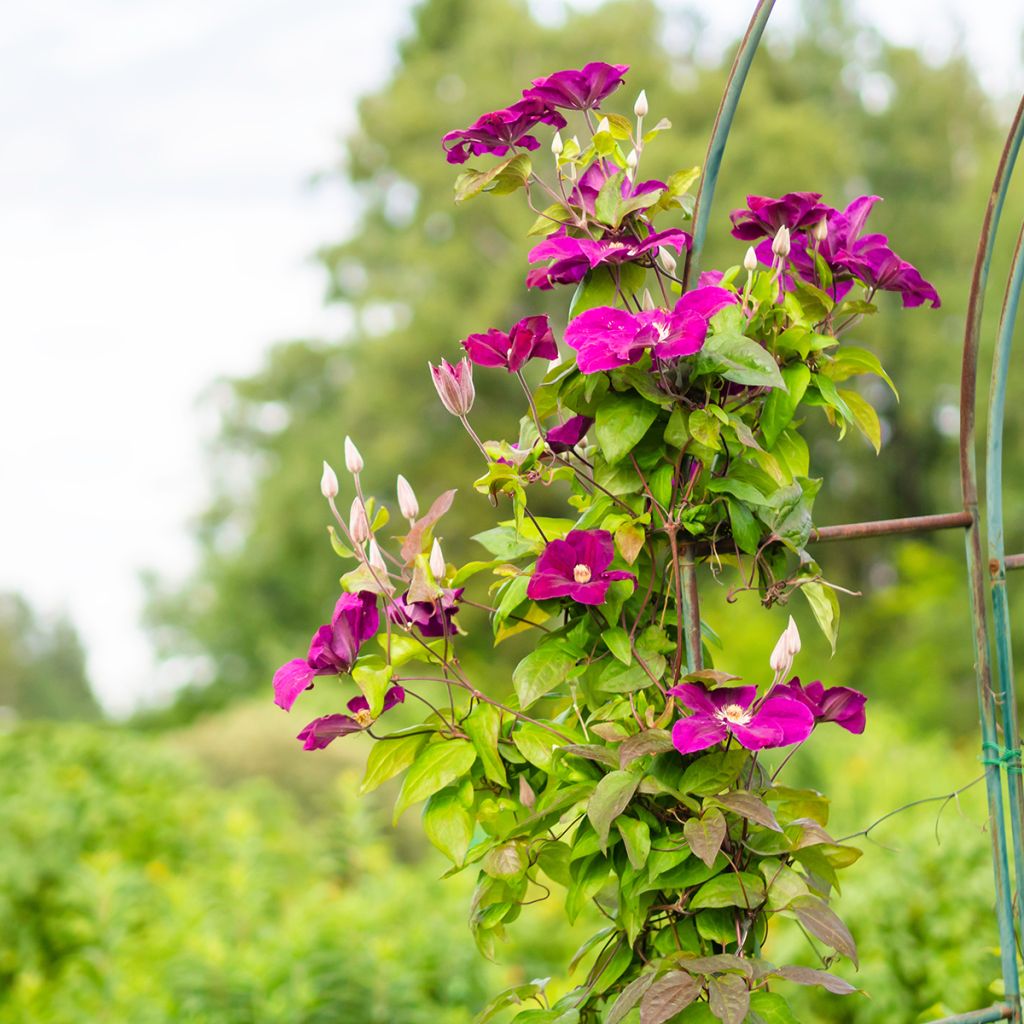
x=376, y=559
x=780, y=244
x=557, y=145
x=603, y=126
x=792, y=635
x=667, y=260
x=353, y=460
x=750, y=260
x=358, y=525
x=454, y=385
x=820, y=231
x=329, y=483
x=647, y=303
x=787, y=647
x=437, y=563
x=631, y=162
x=407, y=503
x=640, y=107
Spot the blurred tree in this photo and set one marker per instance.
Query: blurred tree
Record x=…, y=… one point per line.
x=42, y=665
x=832, y=108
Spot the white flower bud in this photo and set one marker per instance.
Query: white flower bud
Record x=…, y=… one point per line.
x=557, y=145
x=631, y=162
x=787, y=647
x=820, y=231
x=780, y=244
x=640, y=107
x=407, y=503
x=647, y=302
x=376, y=559
x=329, y=483
x=750, y=260
x=437, y=563
x=792, y=635
x=358, y=525
x=603, y=126
x=353, y=460
x=667, y=260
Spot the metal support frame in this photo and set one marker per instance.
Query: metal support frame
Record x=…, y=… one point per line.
x=997, y=707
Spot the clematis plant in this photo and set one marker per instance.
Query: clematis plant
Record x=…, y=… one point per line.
x=622, y=764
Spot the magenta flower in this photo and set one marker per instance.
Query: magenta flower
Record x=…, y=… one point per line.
x=500, y=130
x=605, y=338
x=582, y=89
x=873, y=263
x=568, y=258
x=530, y=338
x=322, y=731
x=576, y=567
x=454, y=384
x=764, y=216
x=333, y=649
x=569, y=434
x=777, y=721
x=840, y=704
x=431, y=618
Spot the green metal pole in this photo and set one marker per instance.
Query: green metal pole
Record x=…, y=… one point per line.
x=979, y=611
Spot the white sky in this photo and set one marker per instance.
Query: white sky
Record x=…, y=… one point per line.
x=156, y=226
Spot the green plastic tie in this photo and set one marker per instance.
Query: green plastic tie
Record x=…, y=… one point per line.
x=1003, y=756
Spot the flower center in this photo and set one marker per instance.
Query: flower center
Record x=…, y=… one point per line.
x=581, y=573
x=363, y=718
x=734, y=715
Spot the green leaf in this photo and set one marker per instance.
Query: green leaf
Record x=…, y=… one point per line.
x=705, y=428
x=596, y=289
x=780, y=406
x=706, y=834
x=505, y=862
x=610, y=799
x=503, y=177
x=549, y=219
x=677, y=433
x=510, y=997
x=811, y=976
x=850, y=361
x=710, y=774
x=650, y=741
x=825, y=605
x=506, y=543
x=484, y=728
x=374, y=683
x=437, y=766
x=448, y=824
x=608, y=199
x=678, y=183
x=864, y=416
x=616, y=640
x=831, y=396
x=339, y=549
x=750, y=806
x=823, y=923
x=745, y=528
x=671, y=993
x=770, y=1008
x=740, y=488
x=740, y=359
x=735, y=889
x=636, y=836
x=535, y=744
x=729, y=998
x=540, y=672
x=389, y=757
x=621, y=421
x=629, y=997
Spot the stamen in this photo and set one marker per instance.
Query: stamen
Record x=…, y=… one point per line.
x=581, y=573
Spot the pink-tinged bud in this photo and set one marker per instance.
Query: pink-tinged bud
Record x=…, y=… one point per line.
x=750, y=260
x=788, y=646
x=407, y=503
x=358, y=526
x=376, y=559
x=640, y=108
x=454, y=385
x=780, y=244
x=820, y=231
x=353, y=460
x=329, y=483
x=792, y=635
x=437, y=563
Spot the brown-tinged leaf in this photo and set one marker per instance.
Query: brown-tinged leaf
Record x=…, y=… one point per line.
x=629, y=539
x=717, y=964
x=629, y=997
x=812, y=834
x=713, y=677
x=809, y=976
x=824, y=923
x=750, y=806
x=412, y=543
x=670, y=994
x=610, y=799
x=706, y=834
x=729, y=998
x=592, y=752
x=650, y=741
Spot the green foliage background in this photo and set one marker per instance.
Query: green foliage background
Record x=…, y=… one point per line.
x=201, y=868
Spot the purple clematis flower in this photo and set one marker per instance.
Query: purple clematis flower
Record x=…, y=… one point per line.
x=576, y=567
x=500, y=130
x=585, y=194
x=777, y=722
x=581, y=89
x=840, y=704
x=333, y=649
x=569, y=434
x=764, y=216
x=530, y=338
x=322, y=731
x=570, y=258
x=431, y=618
x=872, y=261
x=605, y=338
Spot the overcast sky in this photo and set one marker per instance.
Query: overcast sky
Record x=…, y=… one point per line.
x=156, y=226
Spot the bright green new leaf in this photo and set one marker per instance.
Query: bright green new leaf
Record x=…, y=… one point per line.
x=825, y=605
x=389, y=757
x=740, y=359
x=622, y=420
x=540, y=672
x=448, y=824
x=864, y=416
x=610, y=799
x=484, y=729
x=437, y=766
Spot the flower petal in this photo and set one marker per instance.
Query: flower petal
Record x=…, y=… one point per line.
x=290, y=680
x=697, y=732
x=322, y=731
